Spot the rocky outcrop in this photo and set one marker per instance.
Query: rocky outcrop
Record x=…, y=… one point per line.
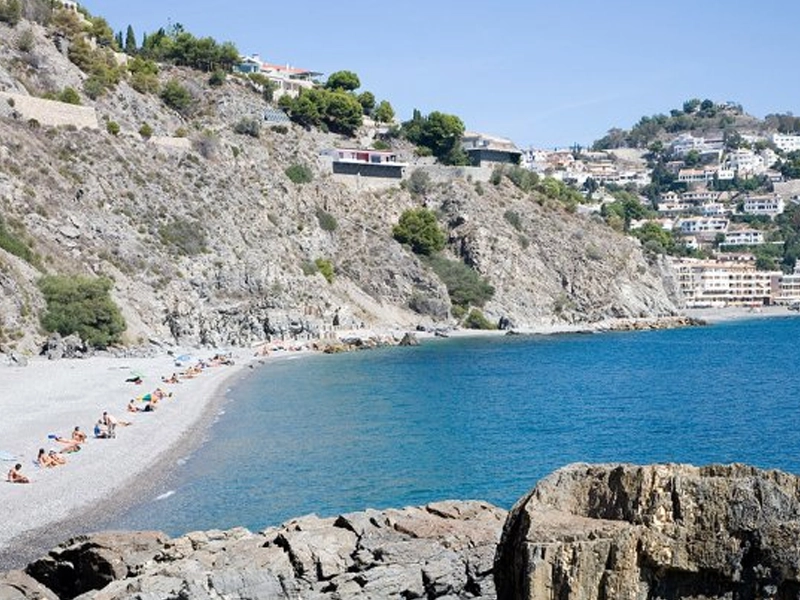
x=664, y=531
x=442, y=550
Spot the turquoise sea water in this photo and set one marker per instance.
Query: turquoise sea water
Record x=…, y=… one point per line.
x=483, y=418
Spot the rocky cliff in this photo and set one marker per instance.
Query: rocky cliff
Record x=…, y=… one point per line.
x=209, y=242
x=442, y=550
x=592, y=532
x=586, y=532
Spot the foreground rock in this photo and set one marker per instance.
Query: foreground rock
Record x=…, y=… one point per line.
x=442, y=550
x=664, y=531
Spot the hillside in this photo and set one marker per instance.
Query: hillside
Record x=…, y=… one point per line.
x=208, y=241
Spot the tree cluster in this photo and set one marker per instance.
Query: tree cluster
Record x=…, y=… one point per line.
x=10, y=11
x=695, y=114
x=437, y=134
x=179, y=47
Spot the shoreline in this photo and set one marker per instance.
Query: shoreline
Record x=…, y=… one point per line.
x=107, y=474
x=52, y=396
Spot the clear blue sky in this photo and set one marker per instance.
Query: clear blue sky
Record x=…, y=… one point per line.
x=544, y=74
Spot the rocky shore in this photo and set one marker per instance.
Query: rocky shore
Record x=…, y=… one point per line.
x=586, y=532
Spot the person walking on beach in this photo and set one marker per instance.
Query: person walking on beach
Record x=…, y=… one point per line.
x=14, y=475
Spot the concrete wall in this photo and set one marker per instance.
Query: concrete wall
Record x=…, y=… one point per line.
x=48, y=113
x=382, y=170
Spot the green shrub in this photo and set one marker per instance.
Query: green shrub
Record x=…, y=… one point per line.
x=513, y=219
x=282, y=129
x=476, y=320
x=187, y=237
x=419, y=229
x=308, y=267
x=26, y=41
x=380, y=145
x=10, y=11
x=300, y=173
x=419, y=182
x=16, y=245
x=112, y=127
x=327, y=221
x=496, y=176
x=325, y=267
x=146, y=131
x=69, y=96
x=84, y=306
x=176, y=96
x=248, y=126
x=217, y=78
x=524, y=179
x=464, y=285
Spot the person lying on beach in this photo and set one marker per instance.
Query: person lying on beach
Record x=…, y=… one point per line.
x=137, y=379
x=56, y=458
x=132, y=407
x=78, y=435
x=172, y=379
x=70, y=446
x=14, y=475
x=50, y=459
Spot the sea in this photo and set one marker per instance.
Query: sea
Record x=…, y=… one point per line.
x=481, y=418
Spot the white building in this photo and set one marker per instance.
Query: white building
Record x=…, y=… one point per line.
x=786, y=142
x=745, y=161
x=764, y=205
x=744, y=237
x=703, y=225
x=711, y=283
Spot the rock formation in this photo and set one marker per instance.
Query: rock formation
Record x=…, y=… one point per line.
x=442, y=550
x=586, y=532
x=664, y=531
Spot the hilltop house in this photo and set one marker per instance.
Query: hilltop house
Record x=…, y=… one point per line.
x=289, y=80
x=482, y=148
x=366, y=163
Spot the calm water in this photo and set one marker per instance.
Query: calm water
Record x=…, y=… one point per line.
x=485, y=419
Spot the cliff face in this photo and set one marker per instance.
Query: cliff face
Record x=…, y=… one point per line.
x=664, y=531
x=208, y=241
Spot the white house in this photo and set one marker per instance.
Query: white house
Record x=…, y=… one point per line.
x=703, y=225
x=744, y=237
x=764, y=205
x=786, y=142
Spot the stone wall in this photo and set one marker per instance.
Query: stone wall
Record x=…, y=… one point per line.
x=49, y=113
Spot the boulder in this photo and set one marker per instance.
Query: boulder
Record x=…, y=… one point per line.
x=591, y=532
x=409, y=339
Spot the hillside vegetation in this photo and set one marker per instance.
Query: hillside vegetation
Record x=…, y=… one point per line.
x=214, y=227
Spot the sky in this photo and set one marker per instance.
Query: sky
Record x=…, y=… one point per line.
x=545, y=74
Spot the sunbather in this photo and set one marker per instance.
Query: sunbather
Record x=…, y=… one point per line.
x=48, y=459
x=70, y=446
x=78, y=435
x=132, y=407
x=56, y=458
x=14, y=475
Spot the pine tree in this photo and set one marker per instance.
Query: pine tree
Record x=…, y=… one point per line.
x=130, y=41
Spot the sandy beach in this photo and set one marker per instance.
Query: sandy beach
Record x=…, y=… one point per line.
x=51, y=397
